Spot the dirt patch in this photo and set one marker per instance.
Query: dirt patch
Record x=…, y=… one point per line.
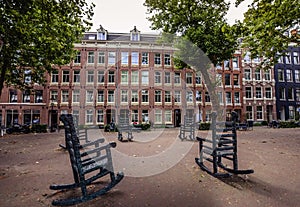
x=30, y=163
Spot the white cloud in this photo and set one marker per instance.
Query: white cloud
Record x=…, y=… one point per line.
x=122, y=16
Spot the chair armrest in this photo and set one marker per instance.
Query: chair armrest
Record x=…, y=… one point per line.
x=98, y=141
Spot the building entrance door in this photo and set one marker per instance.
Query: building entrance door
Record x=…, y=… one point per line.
x=177, y=117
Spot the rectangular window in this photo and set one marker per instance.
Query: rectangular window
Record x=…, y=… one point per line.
x=65, y=96
x=281, y=93
x=145, y=77
x=198, y=78
x=101, y=58
x=100, y=96
x=267, y=75
x=38, y=98
x=66, y=76
x=27, y=76
x=268, y=92
x=76, y=96
x=168, y=116
x=124, y=96
x=89, y=116
x=91, y=57
x=220, y=96
x=290, y=94
x=177, y=78
x=198, y=96
x=297, y=75
x=134, y=96
x=145, y=116
x=111, y=96
x=77, y=59
x=90, y=76
x=124, y=77
x=289, y=76
x=189, y=96
x=157, y=59
x=227, y=79
x=189, y=78
x=288, y=58
x=247, y=74
x=100, y=77
x=257, y=74
x=235, y=62
x=228, y=98
x=135, y=77
x=297, y=94
x=158, y=96
x=226, y=64
x=280, y=75
x=145, y=96
x=145, y=58
x=291, y=112
x=258, y=92
x=135, y=116
x=76, y=76
x=26, y=96
x=237, y=99
x=296, y=58
x=177, y=97
x=167, y=60
x=89, y=96
x=111, y=58
x=100, y=116
x=168, y=98
x=134, y=58
x=167, y=78
x=54, y=76
x=207, y=97
x=259, y=112
x=236, y=81
x=158, y=116
x=248, y=92
x=53, y=96
x=124, y=58
x=157, y=77
x=111, y=76
x=249, y=112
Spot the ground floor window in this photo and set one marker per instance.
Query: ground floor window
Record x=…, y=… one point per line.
x=158, y=116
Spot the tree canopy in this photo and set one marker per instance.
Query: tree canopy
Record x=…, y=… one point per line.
x=35, y=35
x=206, y=37
x=269, y=27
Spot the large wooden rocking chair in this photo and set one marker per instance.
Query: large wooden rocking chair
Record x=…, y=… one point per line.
x=88, y=165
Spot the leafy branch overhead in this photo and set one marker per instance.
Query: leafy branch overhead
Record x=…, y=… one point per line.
x=35, y=35
x=270, y=27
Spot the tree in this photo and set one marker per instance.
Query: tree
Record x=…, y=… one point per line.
x=270, y=27
x=35, y=35
x=206, y=38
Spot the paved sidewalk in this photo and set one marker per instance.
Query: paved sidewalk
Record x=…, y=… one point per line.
x=30, y=163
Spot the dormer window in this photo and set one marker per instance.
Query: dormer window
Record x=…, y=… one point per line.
x=135, y=34
x=101, y=33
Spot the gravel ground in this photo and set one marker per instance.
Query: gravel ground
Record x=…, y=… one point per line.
x=30, y=163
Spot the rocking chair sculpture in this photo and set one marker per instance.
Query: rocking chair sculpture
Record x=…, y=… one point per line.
x=124, y=126
x=221, y=145
x=88, y=166
x=189, y=127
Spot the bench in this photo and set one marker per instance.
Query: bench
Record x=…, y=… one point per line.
x=189, y=127
x=219, y=149
x=124, y=126
x=90, y=162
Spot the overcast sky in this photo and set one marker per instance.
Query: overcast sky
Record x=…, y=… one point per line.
x=123, y=15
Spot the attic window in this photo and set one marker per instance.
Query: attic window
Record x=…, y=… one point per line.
x=92, y=37
x=135, y=34
x=101, y=33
